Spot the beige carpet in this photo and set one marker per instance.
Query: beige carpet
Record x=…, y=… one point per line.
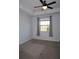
x=39, y=49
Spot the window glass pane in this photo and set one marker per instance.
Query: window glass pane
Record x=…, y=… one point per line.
x=44, y=22
x=44, y=28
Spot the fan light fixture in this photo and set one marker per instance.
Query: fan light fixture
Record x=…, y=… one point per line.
x=44, y=7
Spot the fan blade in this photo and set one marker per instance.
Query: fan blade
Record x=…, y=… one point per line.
x=42, y=1
x=51, y=3
x=50, y=7
x=37, y=6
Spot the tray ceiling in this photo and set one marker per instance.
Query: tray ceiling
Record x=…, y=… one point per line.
x=28, y=6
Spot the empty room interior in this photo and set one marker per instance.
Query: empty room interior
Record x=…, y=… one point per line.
x=39, y=29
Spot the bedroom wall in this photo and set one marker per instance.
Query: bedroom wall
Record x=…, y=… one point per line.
x=55, y=27
x=25, y=28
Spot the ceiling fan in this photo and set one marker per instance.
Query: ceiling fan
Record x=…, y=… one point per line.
x=45, y=5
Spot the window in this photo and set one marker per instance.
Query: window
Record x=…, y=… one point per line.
x=44, y=25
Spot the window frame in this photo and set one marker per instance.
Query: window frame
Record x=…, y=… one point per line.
x=43, y=19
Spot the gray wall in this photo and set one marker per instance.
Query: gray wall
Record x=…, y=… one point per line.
x=56, y=26
x=25, y=28
x=44, y=35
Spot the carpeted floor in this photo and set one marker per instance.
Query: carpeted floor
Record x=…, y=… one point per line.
x=39, y=49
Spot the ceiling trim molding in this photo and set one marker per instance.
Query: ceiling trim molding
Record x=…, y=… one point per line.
x=40, y=12
x=26, y=10
x=47, y=12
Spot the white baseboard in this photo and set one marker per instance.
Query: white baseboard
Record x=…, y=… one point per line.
x=44, y=38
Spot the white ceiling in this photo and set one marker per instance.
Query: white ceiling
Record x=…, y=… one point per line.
x=28, y=6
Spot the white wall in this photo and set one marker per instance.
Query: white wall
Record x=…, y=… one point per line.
x=25, y=28
x=28, y=27
x=56, y=28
